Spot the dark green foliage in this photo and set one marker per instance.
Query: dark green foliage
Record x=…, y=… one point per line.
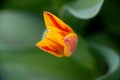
x=95, y=21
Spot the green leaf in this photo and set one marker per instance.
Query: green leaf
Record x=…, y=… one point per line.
x=112, y=59
x=35, y=64
x=103, y=39
x=57, y=4
x=19, y=30
x=83, y=56
x=27, y=5
x=83, y=9
x=111, y=16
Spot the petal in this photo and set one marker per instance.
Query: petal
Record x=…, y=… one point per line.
x=51, y=47
x=53, y=21
x=70, y=44
x=52, y=43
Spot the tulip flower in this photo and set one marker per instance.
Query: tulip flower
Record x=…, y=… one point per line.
x=59, y=40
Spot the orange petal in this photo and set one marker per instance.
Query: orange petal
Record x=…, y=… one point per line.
x=53, y=21
x=70, y=44
x=51, y=47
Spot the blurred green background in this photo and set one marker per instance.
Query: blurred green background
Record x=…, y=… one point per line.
x=97, y=23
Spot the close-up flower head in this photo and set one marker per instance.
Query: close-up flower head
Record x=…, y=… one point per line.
x=59, y=40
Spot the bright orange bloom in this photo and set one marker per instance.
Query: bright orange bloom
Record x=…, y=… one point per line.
x=60, y=40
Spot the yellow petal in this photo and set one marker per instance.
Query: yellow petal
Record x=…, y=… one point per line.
x=52, y=43
x=55, y=36
x=51, y=47
x=53, y=21
x=70, y=44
